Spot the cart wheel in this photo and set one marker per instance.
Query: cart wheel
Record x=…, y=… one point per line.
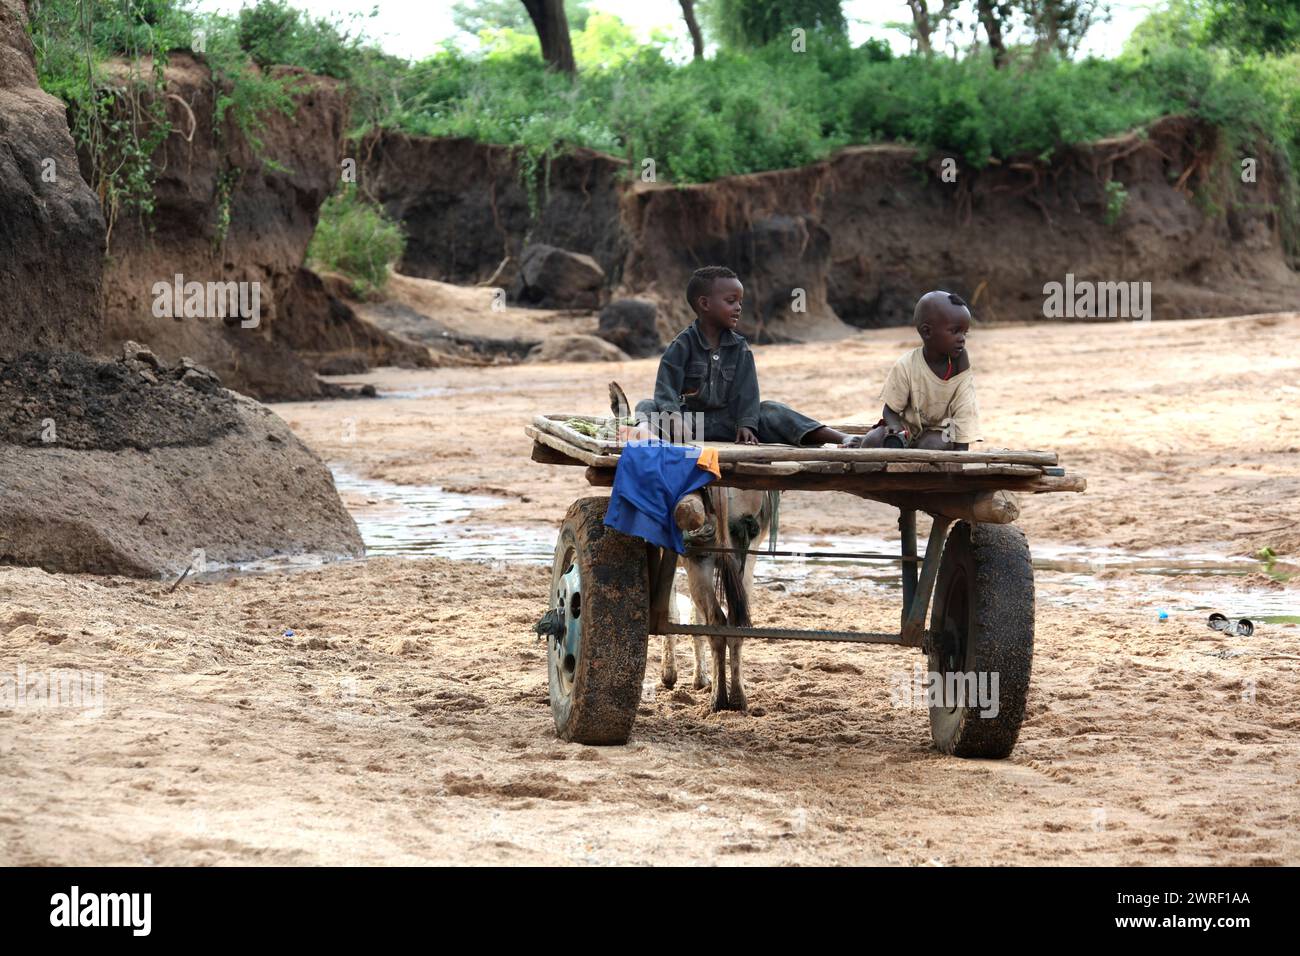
x=600, y=623
x=982, y=623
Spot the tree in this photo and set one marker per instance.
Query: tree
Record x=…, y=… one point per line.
x=1255, y=26
x=553, y=32
x=992, y=16
x=924, y=23
x=1060, y=25
x=475, y=16
x=1056, y=26
x=1178, y=24
x=745, y=24
x=693, y=25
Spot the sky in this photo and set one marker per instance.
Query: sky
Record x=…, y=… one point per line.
x=415, y=28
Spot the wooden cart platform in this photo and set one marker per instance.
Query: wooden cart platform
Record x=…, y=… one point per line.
x=970, y=485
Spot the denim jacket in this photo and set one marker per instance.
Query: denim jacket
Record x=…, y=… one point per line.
x=720, y=382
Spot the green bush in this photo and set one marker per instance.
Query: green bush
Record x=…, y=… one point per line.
x=771, y=108
x=355, y=237
x=274, y=33
x=1116, y=200
x=117, y=125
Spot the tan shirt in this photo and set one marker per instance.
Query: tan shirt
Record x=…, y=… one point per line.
x=924, y=400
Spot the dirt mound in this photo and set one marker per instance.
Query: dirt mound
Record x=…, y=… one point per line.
x=467, y=325
x=325, y=331
x=68, y=399
x=51, y=230
x=134, y=467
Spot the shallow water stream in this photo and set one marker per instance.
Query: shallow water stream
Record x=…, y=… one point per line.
x=424, y=520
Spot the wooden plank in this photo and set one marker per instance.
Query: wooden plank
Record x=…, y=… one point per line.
x=865, y=479
x=582, y=455
x=980, y=468
x=869, y=485
x=547, y=455
x=752, y=453
x=730, y=451
x=780, y=468
x=560, y=451
x=985, y=507
x=804, y=467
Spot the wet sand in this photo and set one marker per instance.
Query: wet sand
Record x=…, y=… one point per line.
x=405, y=720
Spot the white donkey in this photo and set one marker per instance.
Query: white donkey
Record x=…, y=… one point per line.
x=720, y=518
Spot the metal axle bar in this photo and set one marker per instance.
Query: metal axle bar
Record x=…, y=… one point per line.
x=857, y=555
x=780, y=634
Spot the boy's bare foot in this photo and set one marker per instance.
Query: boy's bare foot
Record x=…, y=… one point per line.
x=872, y=439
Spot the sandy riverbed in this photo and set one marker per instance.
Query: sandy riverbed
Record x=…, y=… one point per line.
x=406, y=720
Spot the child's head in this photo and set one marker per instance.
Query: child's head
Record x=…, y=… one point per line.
x=942, y=320
x=715, y=295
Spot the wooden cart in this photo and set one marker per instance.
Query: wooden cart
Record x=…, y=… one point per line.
x=610, y=592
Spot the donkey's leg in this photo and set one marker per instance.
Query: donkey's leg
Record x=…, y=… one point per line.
x=701, y=667
x=668, y=662
x=719, y=645
x=736, y=695
x=706, y=609
x=702, y=679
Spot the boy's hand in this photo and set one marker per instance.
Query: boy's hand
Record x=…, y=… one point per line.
x=746, y=436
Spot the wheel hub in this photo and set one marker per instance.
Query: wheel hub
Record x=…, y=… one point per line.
x=566, y=631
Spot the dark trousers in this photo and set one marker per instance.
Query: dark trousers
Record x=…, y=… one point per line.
x=778, y=424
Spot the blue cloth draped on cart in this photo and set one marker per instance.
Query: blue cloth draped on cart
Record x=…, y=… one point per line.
x=649, y=480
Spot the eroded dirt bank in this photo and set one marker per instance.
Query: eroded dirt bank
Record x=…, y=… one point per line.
x=405, y=719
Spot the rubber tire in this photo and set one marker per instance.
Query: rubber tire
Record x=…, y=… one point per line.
x=615, y=628
x=987, y=568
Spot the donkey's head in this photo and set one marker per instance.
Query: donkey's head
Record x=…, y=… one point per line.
x=740, y=518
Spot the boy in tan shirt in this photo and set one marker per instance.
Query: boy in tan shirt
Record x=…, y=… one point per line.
x=929, y=394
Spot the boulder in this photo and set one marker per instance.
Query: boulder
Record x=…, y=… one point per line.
x=136, y=468
x=345, y=363
x=559, y=279
x=631, y=324
x=576, y=348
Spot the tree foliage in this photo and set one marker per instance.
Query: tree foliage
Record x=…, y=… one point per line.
x=1255, y=26
x=749, y=24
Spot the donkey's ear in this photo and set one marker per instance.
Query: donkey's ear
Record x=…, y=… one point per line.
x=618, y=403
